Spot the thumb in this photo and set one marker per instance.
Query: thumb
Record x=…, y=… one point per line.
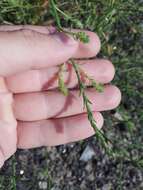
x=8, y=134
x=25, y=49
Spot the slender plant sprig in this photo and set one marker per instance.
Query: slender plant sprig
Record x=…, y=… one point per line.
x=61, y=83
x=87, y=104
x=98, y=86
x=81, y=36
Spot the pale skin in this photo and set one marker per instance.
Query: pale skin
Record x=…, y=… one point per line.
x=32, y=112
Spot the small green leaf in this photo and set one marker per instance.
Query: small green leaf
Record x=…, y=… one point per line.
x=78, y=23
x=82, y=36
x=62, y=87
x=61, y=83
x=99, y=87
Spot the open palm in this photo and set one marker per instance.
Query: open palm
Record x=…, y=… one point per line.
x=33, y=112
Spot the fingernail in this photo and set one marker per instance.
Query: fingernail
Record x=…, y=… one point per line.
x=64, y=38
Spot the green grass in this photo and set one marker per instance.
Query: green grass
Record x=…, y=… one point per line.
x=118, y=23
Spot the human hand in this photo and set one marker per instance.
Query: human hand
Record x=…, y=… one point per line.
x=42, y=115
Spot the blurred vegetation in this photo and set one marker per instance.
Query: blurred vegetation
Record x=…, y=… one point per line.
x=118, y=23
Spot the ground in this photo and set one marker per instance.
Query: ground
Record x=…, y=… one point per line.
x=119, y=25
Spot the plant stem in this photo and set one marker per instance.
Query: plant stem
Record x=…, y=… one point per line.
x=87, y=104
x=76, y=35
x=55, y=14
x=61, y=83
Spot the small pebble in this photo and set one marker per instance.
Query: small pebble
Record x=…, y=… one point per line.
x=87, y=154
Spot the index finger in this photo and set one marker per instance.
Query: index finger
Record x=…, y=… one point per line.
x=34, y=47
x=26, y=49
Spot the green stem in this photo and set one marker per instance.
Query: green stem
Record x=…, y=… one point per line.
x=76, y=35
x=55, y=14
x=87, y=104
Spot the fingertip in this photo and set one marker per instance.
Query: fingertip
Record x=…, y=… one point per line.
x=90, y=49
x=99, y=119
x=108, y=70
x=117, y=97
x=85, y=129
x=99, y=122
x=95, y=43
x=113, y=96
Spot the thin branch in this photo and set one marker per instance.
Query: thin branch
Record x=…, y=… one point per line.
x=87, y=104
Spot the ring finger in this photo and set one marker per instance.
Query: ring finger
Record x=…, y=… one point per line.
x=53, y=104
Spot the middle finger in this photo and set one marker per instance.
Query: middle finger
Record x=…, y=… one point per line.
x=40, y=80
